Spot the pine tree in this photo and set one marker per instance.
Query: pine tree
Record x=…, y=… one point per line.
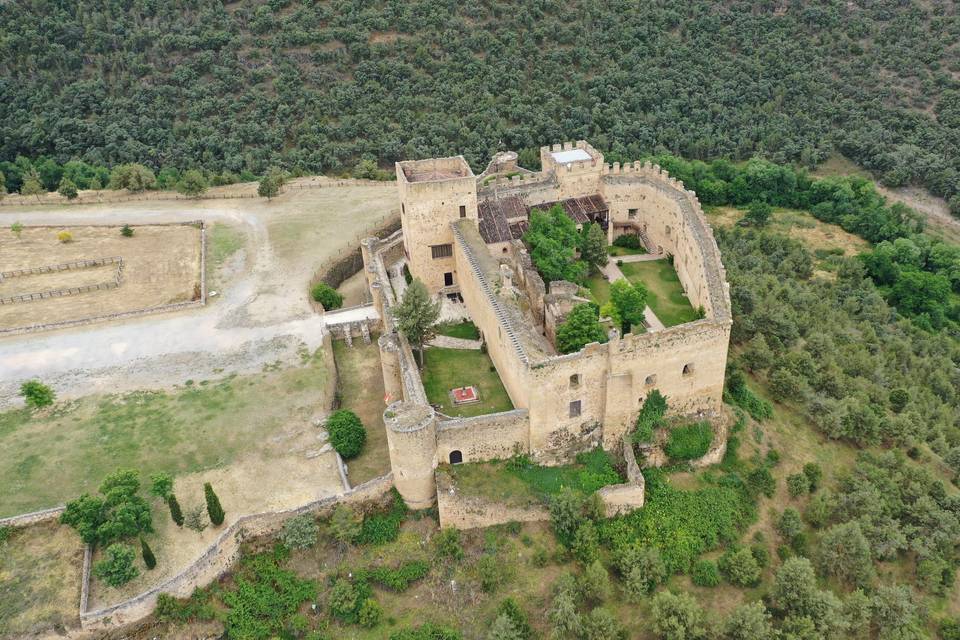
x=214, y=510
x=417, y=315
x=594, y=251
x=148, y=558
x=175, y=513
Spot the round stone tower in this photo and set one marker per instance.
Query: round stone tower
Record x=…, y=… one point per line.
x=390, y=365
x=412, y=441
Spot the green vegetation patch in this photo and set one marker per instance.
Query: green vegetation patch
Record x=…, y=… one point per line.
x=683, y=524
x=599, y=288
x=519, y=481
x=689, y=442
x=665, y=293
x=446, y=369
x=190, y=429
x=464, y=330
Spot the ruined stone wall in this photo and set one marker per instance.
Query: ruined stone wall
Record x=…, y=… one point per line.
x=427, y=208
x=494, y=436
x=475, y=512
x=641, y=363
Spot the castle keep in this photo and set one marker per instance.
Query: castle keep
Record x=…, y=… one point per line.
x=461, y=235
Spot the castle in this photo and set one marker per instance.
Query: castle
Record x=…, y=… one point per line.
x=461, y=235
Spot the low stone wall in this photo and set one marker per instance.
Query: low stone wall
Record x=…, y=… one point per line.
x=619, y=499
x=34, y=517
x=494, y=436
x=219, y=557
x=474, y=512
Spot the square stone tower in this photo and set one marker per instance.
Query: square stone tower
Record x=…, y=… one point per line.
x=434, y=193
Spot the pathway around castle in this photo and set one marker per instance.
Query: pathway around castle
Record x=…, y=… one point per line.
x=260, y=317
x=613, y=273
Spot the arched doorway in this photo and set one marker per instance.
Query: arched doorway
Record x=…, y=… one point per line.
x=456, y=456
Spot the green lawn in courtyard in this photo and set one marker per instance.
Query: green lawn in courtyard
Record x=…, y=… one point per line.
x=666, y=293
x=446, y=369
x=599, y=288
x=614, y=250
x=464, y=330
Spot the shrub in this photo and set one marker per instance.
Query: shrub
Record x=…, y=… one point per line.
x=689, y=442
x=343, y=600
x=118, y=513
x=586, y=543
x=594, y=582
x=517, y=616
x=65, y=237
x=383, y=527
x=300, y=532
x=740, y=567
x=195, y=520
x=798, y=484
x=600, y=624
x=345, y=524
x=447, y=543
x=126, y=231
x=789, y=525
x=396, y=579
x=116, y=568
x=370, y=613
x=705, y=574
x=347, y=434
x=148, y=558
x=175, y=513
x=566, y=514
x=428, y=631
x=845, y=554
x=677, y=617
x=67, y=188
x=491, y=573
x=760, y=481
x=814, y=474
x=5, y=534
x=161, y=485
x=327, y=296
x=627, y=241
x=36, y=394
x=214, y=510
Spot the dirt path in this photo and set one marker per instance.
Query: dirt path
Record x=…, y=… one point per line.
x=261, y=315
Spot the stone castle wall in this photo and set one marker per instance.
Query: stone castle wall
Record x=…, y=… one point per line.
x=494, y=436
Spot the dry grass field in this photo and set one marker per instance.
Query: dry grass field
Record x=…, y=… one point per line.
x=161, y=265
x=39, y=580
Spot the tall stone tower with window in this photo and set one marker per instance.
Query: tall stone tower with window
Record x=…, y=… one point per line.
x=434, y=193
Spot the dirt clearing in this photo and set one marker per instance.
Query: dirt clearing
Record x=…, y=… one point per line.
x=161, y=265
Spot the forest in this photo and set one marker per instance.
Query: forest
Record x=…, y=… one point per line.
x=317, y=86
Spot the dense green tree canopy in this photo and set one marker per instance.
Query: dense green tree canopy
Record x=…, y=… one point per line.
x=322, y=85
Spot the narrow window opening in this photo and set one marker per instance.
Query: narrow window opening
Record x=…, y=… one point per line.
x=575, y=409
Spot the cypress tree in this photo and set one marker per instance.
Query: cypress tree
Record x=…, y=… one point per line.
x=148, y=558
x=175, y=513
x=214, y=510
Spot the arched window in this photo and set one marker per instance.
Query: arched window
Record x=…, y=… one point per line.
x=651, y=379
x=688, y=369
x=575, y=381
x=456, y=456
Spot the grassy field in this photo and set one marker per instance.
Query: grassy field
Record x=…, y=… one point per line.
x=615, y=251
x=521, y=483
x=666, y=293
x=446, y=369
x=203, y=424
x=463, y=330
x=360, y=385
x=39, y=580
x=599, y=288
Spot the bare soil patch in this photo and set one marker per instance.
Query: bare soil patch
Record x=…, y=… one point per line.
x=161, y=265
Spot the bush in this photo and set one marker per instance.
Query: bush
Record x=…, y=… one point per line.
x=126, y=231
x=383, y=527
x=814, y=475
x=689, y=442
x=760, y=481
x=447, y=543
x=65, y=237
x=740, y=567
x=347, y=434
x=677, y=617
x=798, y=484
x=176, y=514
x=517, y=616
x=398, y=580
x=642, y=569
x=370, y=613
x=300, y=532
x=116, y=568
x=789, y=525
x=214, y=510
x=148, y=558
x=327, y=296
x=586, y=543
x=36, y=394
x=627, y=241
x=705, y=574
x=594, y=582
x=491, y=573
